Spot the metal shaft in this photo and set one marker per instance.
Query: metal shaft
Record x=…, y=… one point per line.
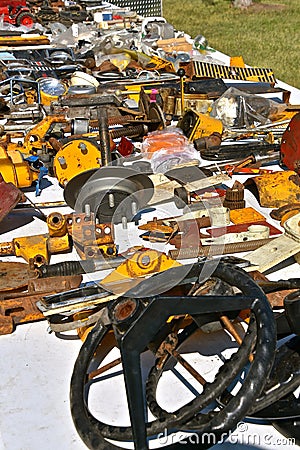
x=66, y=268
x=187, y=366
x=104, y=136
x=213, y=250
x=136, y=130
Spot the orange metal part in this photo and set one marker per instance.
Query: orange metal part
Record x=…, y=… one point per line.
x=246, y=215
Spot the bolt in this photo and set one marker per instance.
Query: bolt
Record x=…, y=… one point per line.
x=124, y=223
x=146, y=260
x=133, y=208
x=124, y=309
x=62, y=162
x=83, y=148
x=87, y=210
x=137, y=130
x=111, y=200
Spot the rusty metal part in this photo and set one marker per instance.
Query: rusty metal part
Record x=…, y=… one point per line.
x=16, y=308
x=119, y=120
x=156, y=226
x=91, y=240
x=10, y=195
x=276, y=291
x=234, y=197
x=124, y=310
x=132, y=131
x=213, y=140
x=168, y=230
x=88, y=100
x=104, y=136
x=40, y=204
x=214, y=250
x=290, y=145
x=104, y=368
x=279, y=213
x=57, y=224
x=192, y=236
x=35, y=138
x=13, y=275
x=276, y=189
x=168, y=346
x=231, y=329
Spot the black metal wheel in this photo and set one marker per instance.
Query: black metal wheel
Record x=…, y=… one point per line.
x=142, y=323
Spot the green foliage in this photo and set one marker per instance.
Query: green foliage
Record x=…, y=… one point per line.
x=265, y=34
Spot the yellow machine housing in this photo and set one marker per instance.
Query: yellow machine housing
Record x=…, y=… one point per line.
x=15, y=169
x=75, y=157
x=13, y=166
x=197, y=125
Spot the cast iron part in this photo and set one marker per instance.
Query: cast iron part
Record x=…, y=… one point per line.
x=112, y=193
x=153, y=325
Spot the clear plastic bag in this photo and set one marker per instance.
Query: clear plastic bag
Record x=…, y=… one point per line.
x=167, y=149
x=239, y=109
x=165, y=139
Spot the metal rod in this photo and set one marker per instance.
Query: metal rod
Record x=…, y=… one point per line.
x=214, y=250
x=104, y=136
x=103, y=369
x=187, y=366
x=230, y=328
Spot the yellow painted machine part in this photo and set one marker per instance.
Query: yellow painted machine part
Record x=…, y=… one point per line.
x=32, y=248
x=205, y=126
x=74, y=158
x=13, y=167
x=38, y=132
x=46, y=99
x=15, y=170
x=277, y=189
x=245, y=215
x=141, y=264
x=38, y=248
x=35, y=138
x=237, y=61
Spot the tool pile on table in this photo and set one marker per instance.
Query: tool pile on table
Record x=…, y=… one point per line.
x=172, y=174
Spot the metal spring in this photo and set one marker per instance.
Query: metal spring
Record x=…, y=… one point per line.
x=213, y=250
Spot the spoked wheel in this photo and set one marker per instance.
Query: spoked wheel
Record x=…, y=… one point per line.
x=143, y=324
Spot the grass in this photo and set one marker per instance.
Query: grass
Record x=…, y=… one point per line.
x=265, y=37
